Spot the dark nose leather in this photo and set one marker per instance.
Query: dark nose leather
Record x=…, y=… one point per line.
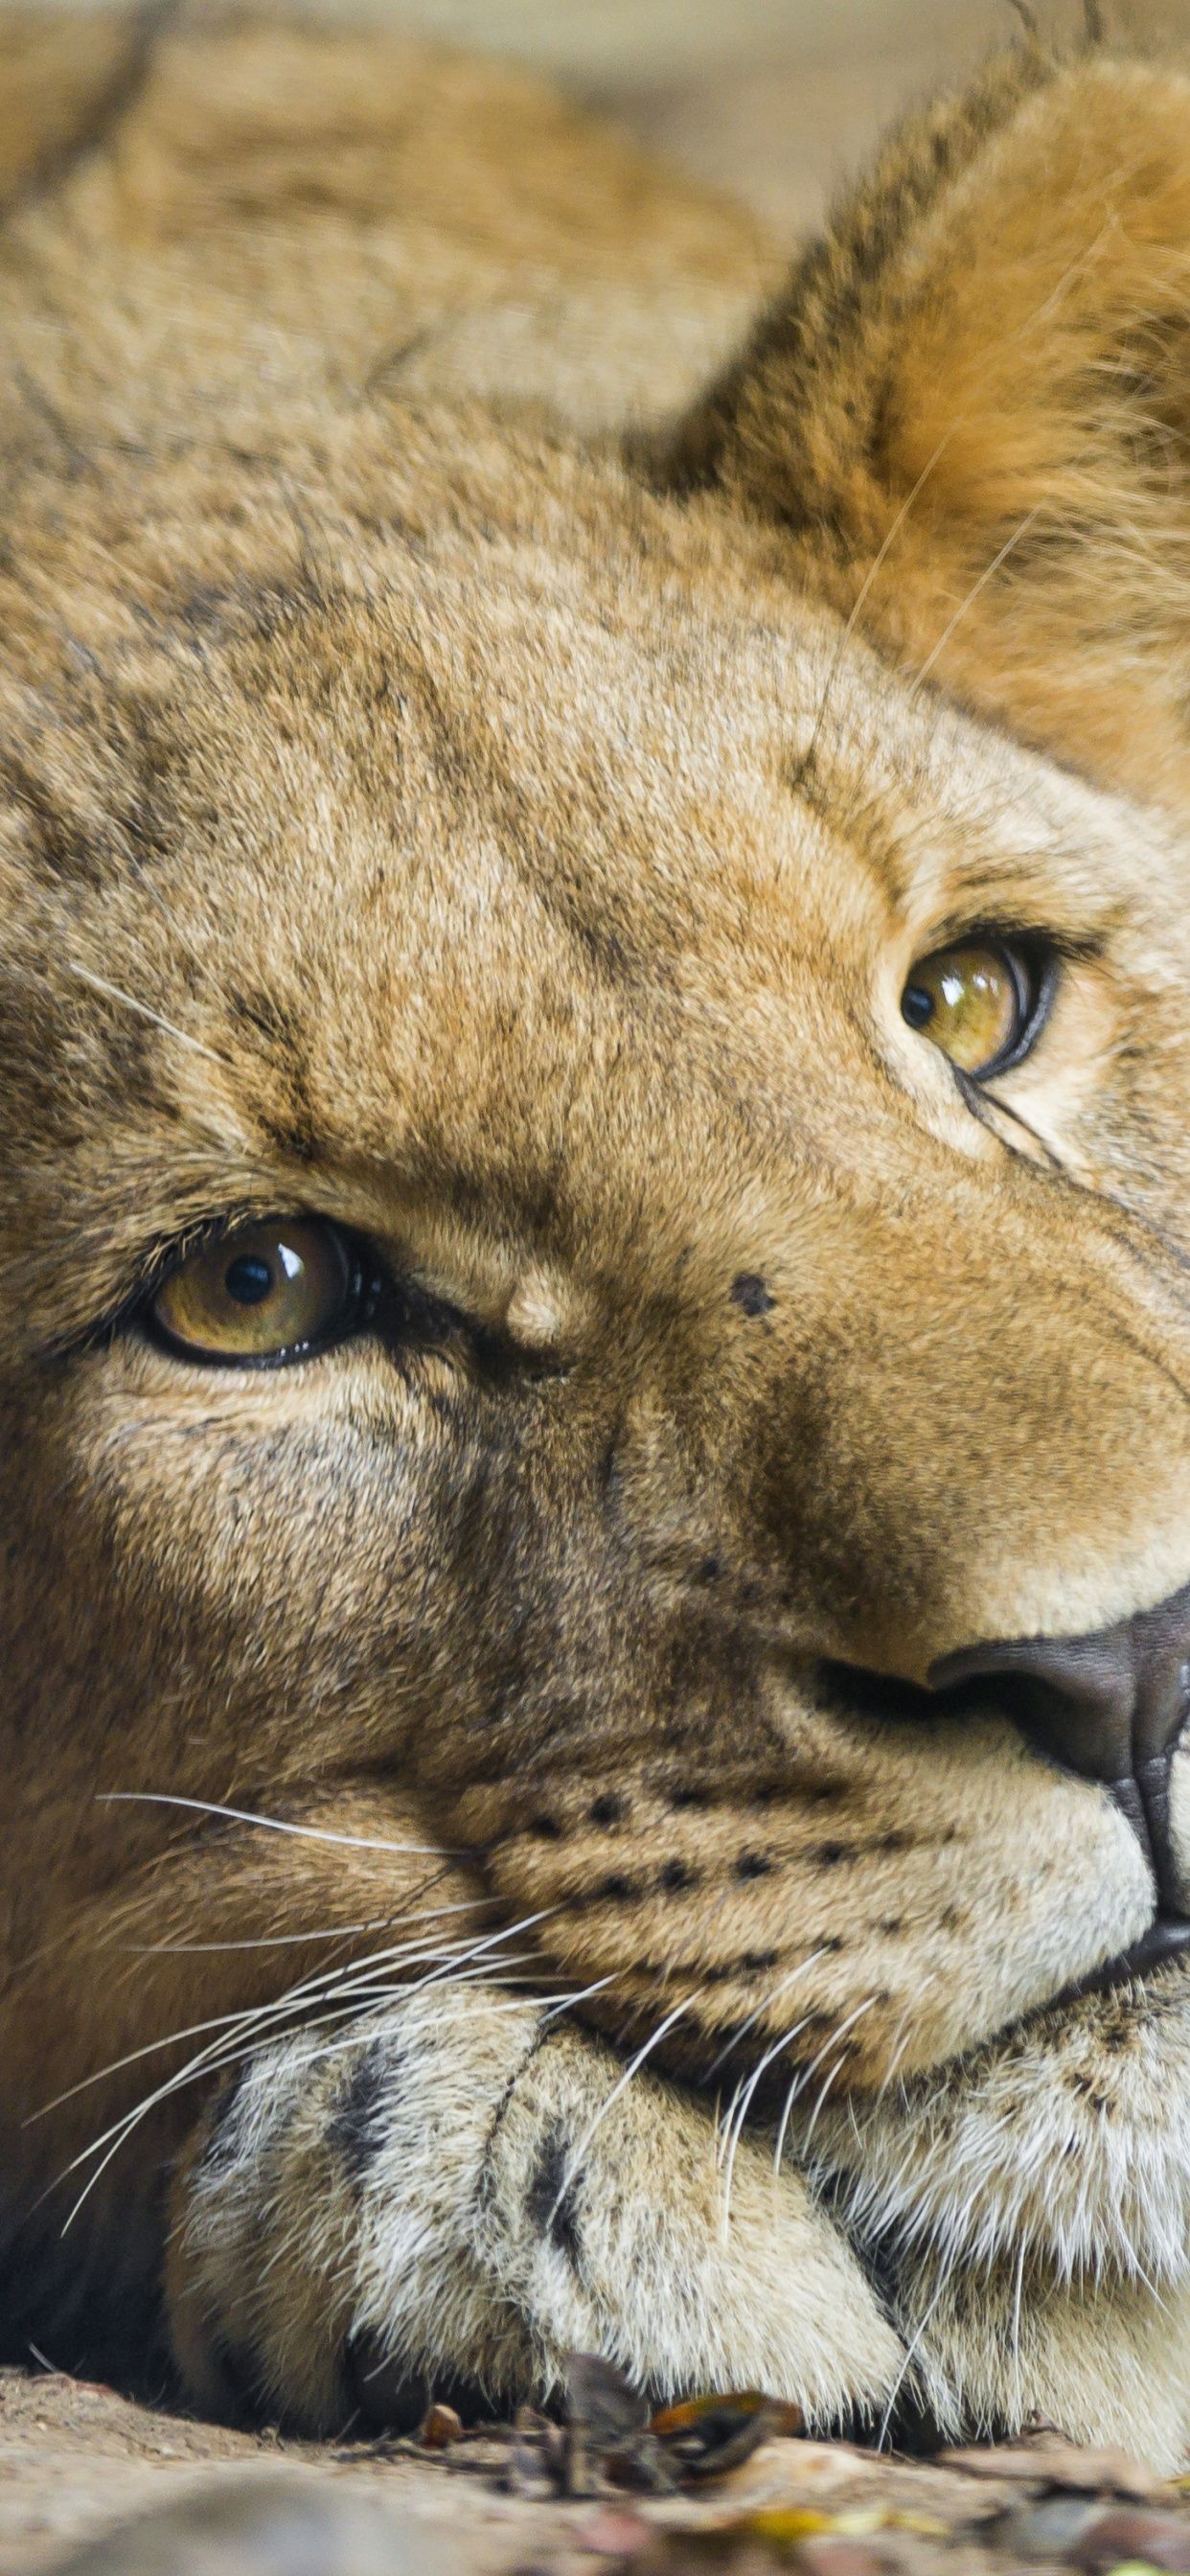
x=1111, y=1705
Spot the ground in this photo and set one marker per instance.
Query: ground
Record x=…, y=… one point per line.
x=778, y=98
x=90, y=2482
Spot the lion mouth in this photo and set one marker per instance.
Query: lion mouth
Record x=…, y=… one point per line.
x=1168, y=1936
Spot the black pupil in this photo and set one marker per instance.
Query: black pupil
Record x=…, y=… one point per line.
x=917, y=1006
x=248, y=1279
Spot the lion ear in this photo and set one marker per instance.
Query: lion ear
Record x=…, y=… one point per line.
x=970, y=410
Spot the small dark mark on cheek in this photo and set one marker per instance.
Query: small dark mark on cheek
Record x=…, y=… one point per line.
x=891, y=1924
x=710, y=1570
x=829, y=1855
x=616, y=1889
x=753, y=1865
x=689, y=1797
x=545, y=1829
x=755, y=1963
x=678, y=1874
x=607, y=1810
x=752, y=1294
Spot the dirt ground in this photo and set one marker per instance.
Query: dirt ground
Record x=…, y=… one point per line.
x=90, y=2482
x=777, y=98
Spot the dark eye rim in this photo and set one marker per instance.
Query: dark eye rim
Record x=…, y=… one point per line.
x=1035, y=966
x=364, y=1287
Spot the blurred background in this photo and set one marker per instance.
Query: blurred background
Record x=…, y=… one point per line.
x=777, y=99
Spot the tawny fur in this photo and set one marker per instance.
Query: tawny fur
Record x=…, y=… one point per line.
x=463, y=777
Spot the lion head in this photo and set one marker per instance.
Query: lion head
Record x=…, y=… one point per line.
x=595, y=1052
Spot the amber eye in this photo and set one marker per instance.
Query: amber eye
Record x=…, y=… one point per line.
x=269, y=1292
x=983, y=1003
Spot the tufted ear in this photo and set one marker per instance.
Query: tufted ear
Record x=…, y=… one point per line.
x=970, y=410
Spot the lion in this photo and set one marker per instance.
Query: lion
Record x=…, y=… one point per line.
x=595, y=1339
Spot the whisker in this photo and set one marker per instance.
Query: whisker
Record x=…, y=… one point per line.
x=268, y=1941
x=904, y=2029
x=802, y=1970
x=621, y=2086
x=206, y=2061
x=736, y=2133
x=913, y=2346
x=782, y=2132
x=988, y=574
x=309, y=1988
x=1018, y=2293
x=724, y=2128
x=804, y=2073
x=855, y=612
x=293, y=1940
x=824, y=2089
x=114, y=993
x=841, y=2033
x=568, y=2002
x=210, y=2061
x=270, y=1824
x=291, y=1999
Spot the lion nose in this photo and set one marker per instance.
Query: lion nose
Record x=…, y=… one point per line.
x=1111, y=1705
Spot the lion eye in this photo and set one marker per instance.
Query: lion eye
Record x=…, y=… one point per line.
x=983, y=1003
x=274, y=1291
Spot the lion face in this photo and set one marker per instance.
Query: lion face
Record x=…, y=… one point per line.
x=731, y=1364
x=728, y=1481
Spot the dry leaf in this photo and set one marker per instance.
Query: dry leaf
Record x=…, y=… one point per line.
x=708, y=2436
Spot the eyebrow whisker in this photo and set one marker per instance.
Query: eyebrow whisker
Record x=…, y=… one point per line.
x=115, y=993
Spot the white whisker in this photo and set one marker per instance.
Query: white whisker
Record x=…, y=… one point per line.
x=988, y=574
x=841, y=2033
x=293, y=1940
x=209, y=2061
x=913, y=2346
x=269, y=1824
x=802, y=1970
x=654, y=2041
x=114, y=993
x=737, y=2130
x=348, y=1985
x=879, y=559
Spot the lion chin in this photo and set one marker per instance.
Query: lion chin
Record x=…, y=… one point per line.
x=1061, y=2147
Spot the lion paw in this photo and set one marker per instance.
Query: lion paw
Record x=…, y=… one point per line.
x=468, y=2188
